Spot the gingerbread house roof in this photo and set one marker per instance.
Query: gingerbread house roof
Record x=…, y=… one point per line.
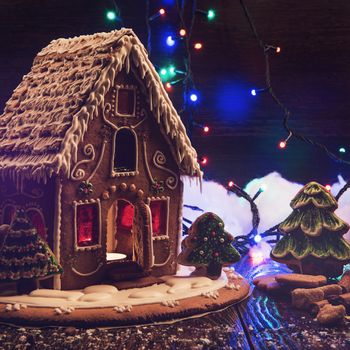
x=48, y=114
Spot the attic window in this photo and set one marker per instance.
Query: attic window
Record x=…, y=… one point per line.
x=125, y=102
x=87, y=225
x=160, y=216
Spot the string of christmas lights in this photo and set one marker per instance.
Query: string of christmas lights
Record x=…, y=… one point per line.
x=267, y=49
x=244, y=242
x=181, y=42
x=170, y=76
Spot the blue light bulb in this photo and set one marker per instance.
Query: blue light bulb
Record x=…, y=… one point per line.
x=257, y=238
x=194, y=97
x=253, y=92
x=170, y=41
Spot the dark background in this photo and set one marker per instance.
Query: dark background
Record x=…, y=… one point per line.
x=311, y=75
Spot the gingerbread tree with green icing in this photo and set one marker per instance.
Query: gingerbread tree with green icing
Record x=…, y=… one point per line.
x=313, y=240
x=208, y=245
x=25, y=256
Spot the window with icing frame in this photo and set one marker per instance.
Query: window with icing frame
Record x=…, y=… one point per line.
x=125, y=153
x=125, y=101
x=160, y=216
x=87, y=225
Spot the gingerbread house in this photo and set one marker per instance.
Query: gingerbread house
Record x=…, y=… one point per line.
x=92, y=147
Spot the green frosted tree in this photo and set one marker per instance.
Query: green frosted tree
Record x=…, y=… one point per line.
x=313, y=242
x=208, y=245
x=25, y=257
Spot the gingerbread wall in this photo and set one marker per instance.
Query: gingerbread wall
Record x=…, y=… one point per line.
x=155, y=164
x=32, y=196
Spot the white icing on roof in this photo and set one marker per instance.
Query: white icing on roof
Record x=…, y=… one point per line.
x=48, y=114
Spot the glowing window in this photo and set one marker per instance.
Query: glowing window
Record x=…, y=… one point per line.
x=125, y=215
x=87, y=225
x=159, y=210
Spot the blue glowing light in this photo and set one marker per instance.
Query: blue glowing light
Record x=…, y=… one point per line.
x=253, y=92
x=193, y=97
x=342, y=150
x=170, y=41
x=257, y=238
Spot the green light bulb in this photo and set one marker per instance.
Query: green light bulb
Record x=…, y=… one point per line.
x=211, y=14
x=111, y=15
x=163, y=71
x=172, y=70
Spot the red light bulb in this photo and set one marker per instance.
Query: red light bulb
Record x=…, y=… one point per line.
x=198, y=46
x=168, y=87
x=282, y=144
x=162, y=11
x=278, y=49
x=328, y=188
x=231, y=184
x=204, y=160
x=206, y=129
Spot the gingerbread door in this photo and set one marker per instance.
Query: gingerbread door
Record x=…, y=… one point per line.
x=142, y=236
x=132, y=241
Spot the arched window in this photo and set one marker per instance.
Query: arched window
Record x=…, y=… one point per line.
x=160, y=216
x=87, y=224
x=125, y=152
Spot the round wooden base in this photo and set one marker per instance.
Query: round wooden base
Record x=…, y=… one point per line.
x=141, y=314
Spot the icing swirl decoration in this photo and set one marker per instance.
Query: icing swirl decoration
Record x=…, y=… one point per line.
x=34, y=193
x=79, y=173
x=159, y=160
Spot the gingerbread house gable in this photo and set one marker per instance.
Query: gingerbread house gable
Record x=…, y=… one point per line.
x=49, y=112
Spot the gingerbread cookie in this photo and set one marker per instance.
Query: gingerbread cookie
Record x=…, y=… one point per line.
x=331, y=289
x=297, y=280
x=330, y=315
x=343, y=299
x=303, y=298
x=316, y=306
x=267, y=283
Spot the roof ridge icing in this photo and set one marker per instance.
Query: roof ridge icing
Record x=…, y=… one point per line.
x=99, y=75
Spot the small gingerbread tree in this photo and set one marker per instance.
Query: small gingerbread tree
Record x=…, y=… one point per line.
x=313, y=242
x=208, y=245
x=25, y=256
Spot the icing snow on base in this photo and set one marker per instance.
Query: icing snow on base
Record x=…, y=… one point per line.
x=109, y=296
